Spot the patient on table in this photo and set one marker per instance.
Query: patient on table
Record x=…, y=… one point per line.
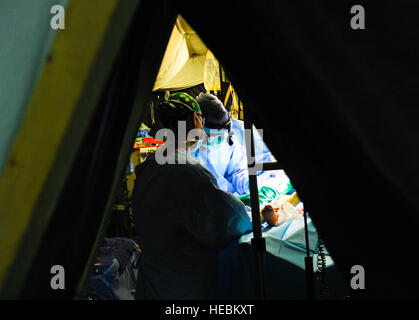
x=279, y=211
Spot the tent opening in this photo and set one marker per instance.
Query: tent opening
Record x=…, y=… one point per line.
x=290, y=238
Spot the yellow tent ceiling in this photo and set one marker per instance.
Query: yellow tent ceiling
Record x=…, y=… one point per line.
x=183, y=62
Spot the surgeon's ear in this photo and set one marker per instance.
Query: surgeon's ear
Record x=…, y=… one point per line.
x=196, y=122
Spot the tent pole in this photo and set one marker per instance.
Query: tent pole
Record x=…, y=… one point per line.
x=222, y=89
x=258, y=242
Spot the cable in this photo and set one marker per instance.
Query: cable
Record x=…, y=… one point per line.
x=311, y=294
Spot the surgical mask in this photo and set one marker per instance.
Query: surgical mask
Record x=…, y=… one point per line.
x=214, y=137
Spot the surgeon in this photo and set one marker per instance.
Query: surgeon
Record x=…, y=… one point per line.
x=183, y=219
x=221, y=153
x=262, y=153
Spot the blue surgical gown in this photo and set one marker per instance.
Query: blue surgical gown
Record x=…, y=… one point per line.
x=262, y=153
x=183, y=220
x=227, y=163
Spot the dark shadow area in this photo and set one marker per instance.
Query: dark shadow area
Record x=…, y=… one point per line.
x=73, y=229
x=338, y=108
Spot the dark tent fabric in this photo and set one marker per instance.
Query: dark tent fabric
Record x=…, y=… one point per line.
x=340, y=109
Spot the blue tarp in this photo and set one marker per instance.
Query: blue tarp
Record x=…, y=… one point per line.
x=25, y=40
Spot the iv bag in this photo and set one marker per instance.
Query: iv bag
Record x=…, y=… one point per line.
x=211, y=73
